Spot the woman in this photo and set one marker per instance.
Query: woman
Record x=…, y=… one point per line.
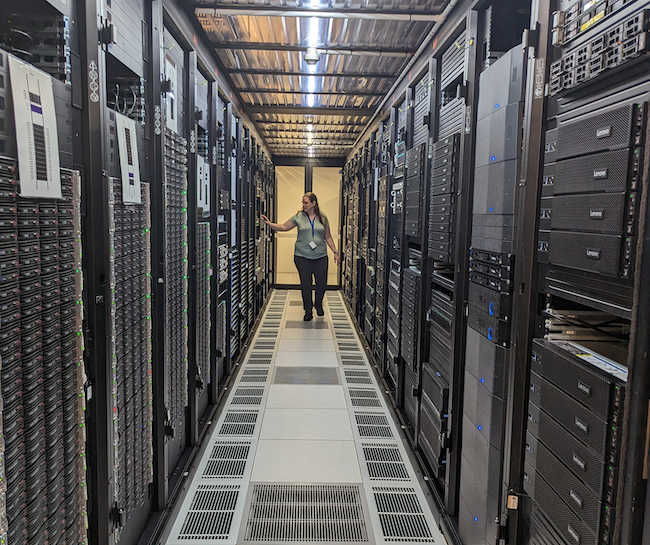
x=311, y=252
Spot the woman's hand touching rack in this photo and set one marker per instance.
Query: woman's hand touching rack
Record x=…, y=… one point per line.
x=286, y=226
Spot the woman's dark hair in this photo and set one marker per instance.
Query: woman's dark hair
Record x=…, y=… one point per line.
x=313, y=198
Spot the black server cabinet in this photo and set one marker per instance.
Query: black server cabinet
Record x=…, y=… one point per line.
x=582, y=463
x=222, y=243
x=174, y=61
x=43, y=374
x=488, y=349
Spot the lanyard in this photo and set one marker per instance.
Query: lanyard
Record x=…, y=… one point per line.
x=311, y=221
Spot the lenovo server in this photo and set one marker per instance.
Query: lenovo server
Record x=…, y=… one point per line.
x=573, y=441
x=588, y=216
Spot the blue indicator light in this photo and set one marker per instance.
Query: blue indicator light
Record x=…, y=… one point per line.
x=490, y=333
x=493, y=158
x=491, y=209
x=480, y=427
x=496, y=105
x=482, y=380
x=491, y=309
x=475, y=519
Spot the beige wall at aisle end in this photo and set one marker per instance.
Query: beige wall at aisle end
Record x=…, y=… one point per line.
x=290, y=189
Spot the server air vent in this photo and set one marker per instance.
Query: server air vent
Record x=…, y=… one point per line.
x=306, y=514
x=264, y=345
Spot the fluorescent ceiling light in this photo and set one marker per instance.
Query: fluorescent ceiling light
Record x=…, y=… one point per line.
x=311, y=84
x=310, y=127
x=310, y=100
x=312, y=39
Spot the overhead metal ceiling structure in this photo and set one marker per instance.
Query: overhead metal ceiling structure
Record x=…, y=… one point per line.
x=311, y=73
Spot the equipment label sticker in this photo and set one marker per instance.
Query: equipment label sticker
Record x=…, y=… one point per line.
x=129, y=163
x=35, y=118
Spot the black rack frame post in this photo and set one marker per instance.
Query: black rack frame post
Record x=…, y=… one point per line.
x=526, y=298
x=96, y=266
x=191, y=131
x=159, y=306
x=632, y=501
x=461, y=274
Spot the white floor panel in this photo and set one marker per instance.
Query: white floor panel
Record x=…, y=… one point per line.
x=305, y=396
x=302, y=345
x=306, y=462
x=312, y=424
x=300, y=359
x=306, y=430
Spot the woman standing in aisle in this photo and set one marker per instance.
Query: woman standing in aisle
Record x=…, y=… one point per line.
x=310, y=255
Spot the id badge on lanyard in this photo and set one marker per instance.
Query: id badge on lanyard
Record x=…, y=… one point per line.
x=312, y=244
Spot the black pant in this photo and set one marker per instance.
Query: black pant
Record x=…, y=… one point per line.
x=308, y=268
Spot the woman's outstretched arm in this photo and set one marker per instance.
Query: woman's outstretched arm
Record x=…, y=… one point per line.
x=330, y=242
x=286, y=226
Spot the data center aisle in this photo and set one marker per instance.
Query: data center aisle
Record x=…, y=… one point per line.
x=305, y=449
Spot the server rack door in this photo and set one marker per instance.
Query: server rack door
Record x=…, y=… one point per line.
x=174, y=60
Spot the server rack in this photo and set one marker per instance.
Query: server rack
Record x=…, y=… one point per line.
x=596, y=85
x=43, y=369
x=110, y=388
